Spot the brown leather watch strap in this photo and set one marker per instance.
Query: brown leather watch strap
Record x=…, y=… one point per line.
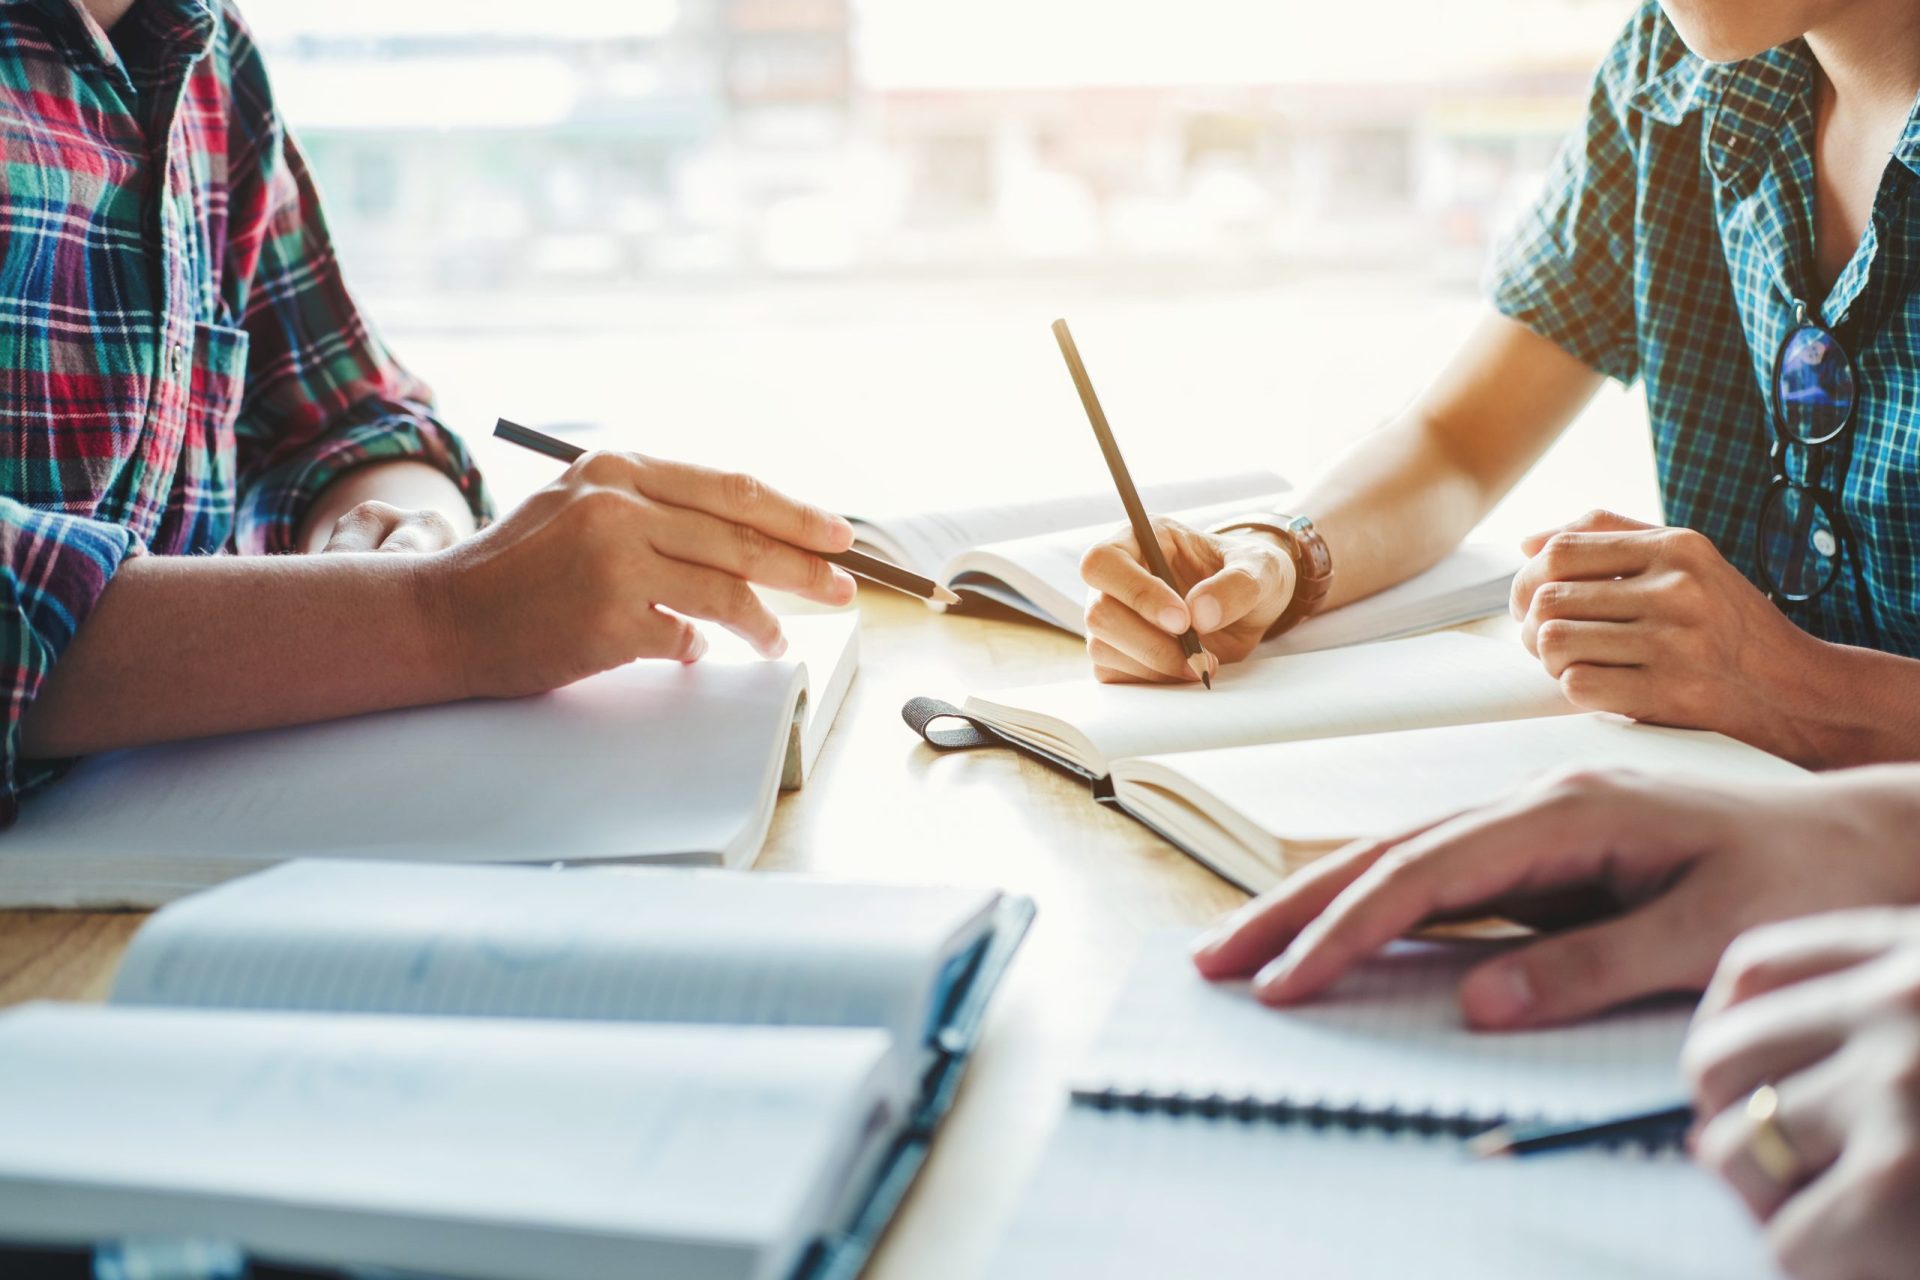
x=1312, y=563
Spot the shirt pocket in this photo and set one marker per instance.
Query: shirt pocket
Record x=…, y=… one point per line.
x=205, y=496
x=218, y=382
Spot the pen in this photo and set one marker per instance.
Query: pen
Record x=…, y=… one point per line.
x=858, y=563
x=1660, y=1128
x=1129, y=496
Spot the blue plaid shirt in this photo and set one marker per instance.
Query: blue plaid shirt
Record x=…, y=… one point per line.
x=1673, y=244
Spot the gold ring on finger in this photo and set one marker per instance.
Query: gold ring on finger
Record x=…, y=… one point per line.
x=1767, y=1142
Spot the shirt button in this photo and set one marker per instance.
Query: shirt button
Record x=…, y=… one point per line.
x=177, y=357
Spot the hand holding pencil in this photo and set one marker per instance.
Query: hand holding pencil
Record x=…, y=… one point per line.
x=1171, y=603
x=611, y=561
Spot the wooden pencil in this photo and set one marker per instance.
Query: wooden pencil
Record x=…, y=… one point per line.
x=1129, y=496
x=1651, y=1128
x=858, y=563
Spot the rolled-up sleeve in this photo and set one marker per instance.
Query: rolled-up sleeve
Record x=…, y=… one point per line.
x=323, y=394
x=53, y=570
x=1566, y=269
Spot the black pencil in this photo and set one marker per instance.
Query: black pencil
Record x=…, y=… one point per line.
x=1129, y=496
x=858, y=563
x=1659, y=1128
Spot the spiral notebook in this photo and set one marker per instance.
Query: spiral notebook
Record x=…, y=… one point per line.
x=1207, y=1134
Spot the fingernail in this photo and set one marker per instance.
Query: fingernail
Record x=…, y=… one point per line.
x=1172, y=619
x=1209, y=941
x=1498, y=995
x=842, y=531
x=698, y=649
x=844, y=580
x=778, y=648
x=1206, y=615
x=1275, y=972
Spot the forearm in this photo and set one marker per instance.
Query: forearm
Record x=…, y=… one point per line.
x=1407, y=495
x=183, y=646
x=1394, y=506
x=407, y=484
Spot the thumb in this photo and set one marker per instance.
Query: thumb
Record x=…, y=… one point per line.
x=1577, y=974
x=1595, y=521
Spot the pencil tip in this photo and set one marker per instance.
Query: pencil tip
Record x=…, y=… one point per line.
x=946, y=596
x=1207, y=680
x=1198, y=664
x=1491, y=1144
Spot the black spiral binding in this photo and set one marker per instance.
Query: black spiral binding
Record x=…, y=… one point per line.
x=1317, y=1115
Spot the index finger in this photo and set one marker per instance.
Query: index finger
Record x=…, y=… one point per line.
x=1468, y=861
x=1115, y=568
x=1778, y=955
x=1259, y=931
x=1576, y=557
x=738, y=497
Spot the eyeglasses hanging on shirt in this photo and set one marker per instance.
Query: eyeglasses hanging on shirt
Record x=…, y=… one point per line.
x=1802, y=535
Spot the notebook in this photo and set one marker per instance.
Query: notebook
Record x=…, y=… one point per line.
x=1289, y=757
x=654, y=761
x=507, y=1072
x=1027, y=557
x=1256, y=814
x=1208, y=1135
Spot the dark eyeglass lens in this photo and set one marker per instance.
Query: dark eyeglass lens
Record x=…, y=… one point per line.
x=1799, y=544
x=1815, y=386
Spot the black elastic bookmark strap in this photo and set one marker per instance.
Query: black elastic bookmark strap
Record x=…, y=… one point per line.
x=921, y=714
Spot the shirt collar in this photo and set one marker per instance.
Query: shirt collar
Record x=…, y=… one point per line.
x=184, y=26
x=1748, y=105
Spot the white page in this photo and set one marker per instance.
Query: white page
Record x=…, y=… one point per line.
x=653, y=760
x=827, y=647
x=1389, y=1034
x=925, y=541
x=1475, y=581
x=1398, y=684
x=639, y=945
x=1381, y=783
x=1127, y=1197
x=449, y=1146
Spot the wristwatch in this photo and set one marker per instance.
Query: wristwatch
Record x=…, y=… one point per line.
x=1312, y=561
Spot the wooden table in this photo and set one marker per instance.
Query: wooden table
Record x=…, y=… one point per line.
x=883, y=806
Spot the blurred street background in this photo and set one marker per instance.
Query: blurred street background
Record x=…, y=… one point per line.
x=823, y=238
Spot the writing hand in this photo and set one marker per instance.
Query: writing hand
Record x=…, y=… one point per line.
x=609, y=563
x=1826, y=1010
x=1235, y=585
x=1656, y=878
x=1654, y=623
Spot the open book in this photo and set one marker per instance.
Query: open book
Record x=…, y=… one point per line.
x=507, y=1072
x=1208, y=1135
x=654, y=761
x=1027, y=557
x=1286, y=758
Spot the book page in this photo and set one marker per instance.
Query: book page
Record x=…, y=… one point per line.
x=1389, y=1035
x=827, y=647
x=1377, y=784
x=925, y=541
x=1473, y=582
x=1142, y=1197
x=632, y=945
x=652, y=760
x=1040, y=575
x=446, y=1146
x=1398, y=684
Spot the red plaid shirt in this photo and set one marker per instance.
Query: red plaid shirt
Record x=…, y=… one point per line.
x=181, y=365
